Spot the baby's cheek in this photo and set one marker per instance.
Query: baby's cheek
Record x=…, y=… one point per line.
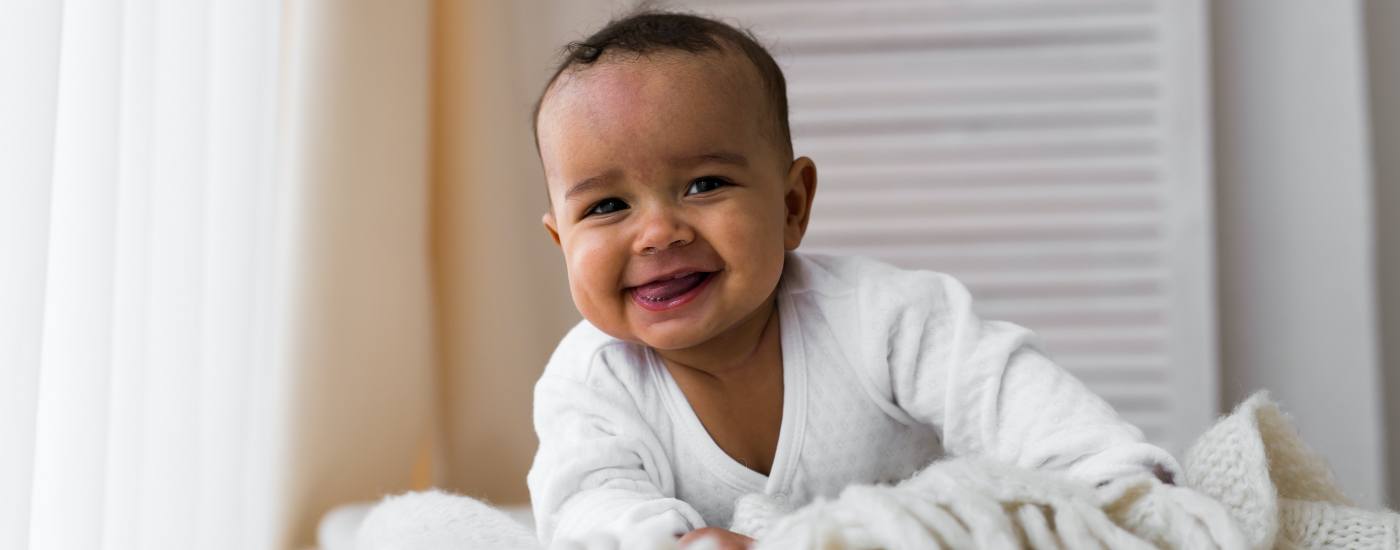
x=582, y=284
x=604, y=310
x=593, y=265
x=765, y=241
x=594, y=281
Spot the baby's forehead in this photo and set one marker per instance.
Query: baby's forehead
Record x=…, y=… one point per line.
x=672, y=102
x=657, y=80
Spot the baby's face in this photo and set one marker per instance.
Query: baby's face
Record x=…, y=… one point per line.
x=670, y=199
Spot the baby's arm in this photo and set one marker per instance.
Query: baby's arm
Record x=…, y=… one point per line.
x=992, y=392
x=721, y=539
x=598, y=469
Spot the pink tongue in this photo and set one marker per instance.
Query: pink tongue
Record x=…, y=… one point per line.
x=665, y=290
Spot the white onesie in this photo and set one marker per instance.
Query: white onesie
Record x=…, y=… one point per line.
x=884, y=371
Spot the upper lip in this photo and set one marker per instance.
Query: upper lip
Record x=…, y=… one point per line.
x=670, y=274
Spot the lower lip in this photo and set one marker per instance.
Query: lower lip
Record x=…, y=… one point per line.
x=677, y=301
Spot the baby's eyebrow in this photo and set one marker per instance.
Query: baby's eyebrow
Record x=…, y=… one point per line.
x=587, y=185
x=713, y=157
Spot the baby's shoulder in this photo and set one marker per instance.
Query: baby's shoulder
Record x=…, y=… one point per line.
x=588, y=355
x=874, y=283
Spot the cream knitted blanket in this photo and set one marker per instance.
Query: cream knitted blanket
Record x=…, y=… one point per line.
x=1279, y=492
x=1250, y=482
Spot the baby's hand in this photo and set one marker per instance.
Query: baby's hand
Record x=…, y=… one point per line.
x=725, y=540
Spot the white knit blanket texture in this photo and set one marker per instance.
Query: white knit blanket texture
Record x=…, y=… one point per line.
x=1250, y=483
x=1277, y=489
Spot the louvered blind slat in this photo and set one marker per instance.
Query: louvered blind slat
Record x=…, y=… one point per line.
x=1048, y=153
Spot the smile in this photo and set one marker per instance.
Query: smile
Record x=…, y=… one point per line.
x=671, y=293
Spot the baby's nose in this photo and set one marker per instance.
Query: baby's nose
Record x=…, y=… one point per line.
x=663, y=231
x=652, y=250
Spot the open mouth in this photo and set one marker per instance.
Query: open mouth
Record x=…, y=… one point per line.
x=670, y=293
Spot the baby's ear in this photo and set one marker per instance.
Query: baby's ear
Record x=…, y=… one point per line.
x=550, y=226
x=800, y=189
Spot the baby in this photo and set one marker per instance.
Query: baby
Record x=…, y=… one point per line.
x=714, y=361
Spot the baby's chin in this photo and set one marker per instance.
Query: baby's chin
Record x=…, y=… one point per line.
x=671, y=335
x=670, y=342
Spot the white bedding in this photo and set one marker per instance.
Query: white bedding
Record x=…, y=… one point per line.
x=1250, y=483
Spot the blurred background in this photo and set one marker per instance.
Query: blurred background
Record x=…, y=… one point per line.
x=259, y=259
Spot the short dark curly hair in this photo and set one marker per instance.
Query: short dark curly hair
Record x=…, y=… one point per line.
x=647, y=31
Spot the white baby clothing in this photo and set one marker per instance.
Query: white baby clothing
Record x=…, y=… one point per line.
x=884, y=371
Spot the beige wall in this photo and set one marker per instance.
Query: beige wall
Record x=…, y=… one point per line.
x=353, y=331
x=502, y=294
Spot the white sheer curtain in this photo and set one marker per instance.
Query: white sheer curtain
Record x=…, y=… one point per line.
x=214, y=278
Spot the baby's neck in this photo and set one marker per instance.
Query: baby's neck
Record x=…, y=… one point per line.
x=729, y=355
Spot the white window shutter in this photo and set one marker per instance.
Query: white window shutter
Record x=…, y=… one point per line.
x=1052, y=155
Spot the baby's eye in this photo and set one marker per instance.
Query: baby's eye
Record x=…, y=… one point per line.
x=705, y=185
x=606, y=206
